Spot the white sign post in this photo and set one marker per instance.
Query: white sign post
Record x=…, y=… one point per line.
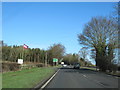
x=20, y=61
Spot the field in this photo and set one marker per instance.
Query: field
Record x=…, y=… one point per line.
x=26, y=78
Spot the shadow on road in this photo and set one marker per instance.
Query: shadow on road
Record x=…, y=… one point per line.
x=65, y=68
x=81, y=70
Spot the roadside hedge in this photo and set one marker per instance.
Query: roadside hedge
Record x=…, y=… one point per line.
x=10, y=66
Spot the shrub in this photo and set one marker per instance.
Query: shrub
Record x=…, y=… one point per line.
x=10, y=66
x=40, y=65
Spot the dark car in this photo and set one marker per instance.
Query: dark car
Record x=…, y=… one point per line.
x=76, y=66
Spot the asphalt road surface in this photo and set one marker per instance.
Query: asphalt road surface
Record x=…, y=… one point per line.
x=82, y=78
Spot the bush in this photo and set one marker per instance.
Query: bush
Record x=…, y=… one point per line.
x=40, y=65
x=114, y=68
x=29, y=66
x=10, y=66
x=118, y=68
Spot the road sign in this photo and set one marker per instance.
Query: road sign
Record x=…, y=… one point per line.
x=55, y=60
x=20, y=61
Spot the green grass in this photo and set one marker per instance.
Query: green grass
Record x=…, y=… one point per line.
x=0, y=81
x=26, y=78
x=117, y=74
x=58, y=66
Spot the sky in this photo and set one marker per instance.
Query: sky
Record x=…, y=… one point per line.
x=41, y=24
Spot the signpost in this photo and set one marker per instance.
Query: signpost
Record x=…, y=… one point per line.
x=55, y=60
x=20, y=61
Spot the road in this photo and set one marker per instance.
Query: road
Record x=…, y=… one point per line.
x=82, y=78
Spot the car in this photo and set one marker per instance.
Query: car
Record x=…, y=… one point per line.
x=64, y=65
x=76, y=66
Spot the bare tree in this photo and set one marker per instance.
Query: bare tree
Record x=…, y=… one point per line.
x=71, y=58
x=116, y=11
x=98, y=34
x=56, y=51
x=83, y=53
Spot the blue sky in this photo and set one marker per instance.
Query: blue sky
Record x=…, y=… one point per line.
x=40, y=25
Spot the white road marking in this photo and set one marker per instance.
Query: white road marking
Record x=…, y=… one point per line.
x=84, y=75
x=94, y=80
x=49, y=80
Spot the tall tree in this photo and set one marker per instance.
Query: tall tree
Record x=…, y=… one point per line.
x=83, y=53
x=56, y=51
x=98, y=34
x=71, y=58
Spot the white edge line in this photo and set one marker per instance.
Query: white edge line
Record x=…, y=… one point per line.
x=49, y=80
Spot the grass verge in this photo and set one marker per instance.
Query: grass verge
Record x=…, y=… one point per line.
x=27, y=78
x=94, y=69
